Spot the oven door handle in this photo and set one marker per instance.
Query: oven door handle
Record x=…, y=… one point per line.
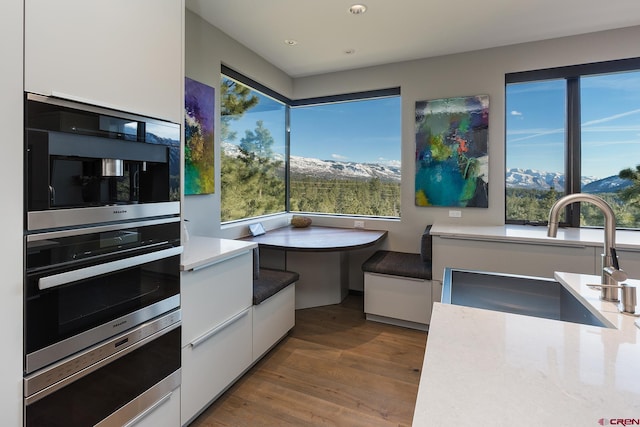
x=52, y=281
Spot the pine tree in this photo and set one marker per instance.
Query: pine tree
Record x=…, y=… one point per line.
x=631, y=193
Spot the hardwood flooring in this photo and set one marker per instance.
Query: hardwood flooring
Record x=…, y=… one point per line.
x=333, y=369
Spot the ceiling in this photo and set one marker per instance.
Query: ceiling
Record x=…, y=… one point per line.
x=398, y=30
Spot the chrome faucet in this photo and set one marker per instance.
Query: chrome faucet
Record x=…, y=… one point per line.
x=611, y=274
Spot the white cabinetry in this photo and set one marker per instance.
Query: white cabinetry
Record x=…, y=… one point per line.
x=526, y=258
x=630, y=262
x=165, y=413
x=216, y=301
x=121, y=54
x=11, y=262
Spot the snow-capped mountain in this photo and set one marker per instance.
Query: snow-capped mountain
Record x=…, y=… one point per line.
x=534, y=179
x=332, y=169
x=539, y=180
x=515, y=178
x=607, y=185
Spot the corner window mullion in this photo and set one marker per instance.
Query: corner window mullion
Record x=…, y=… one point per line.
x=573, y=158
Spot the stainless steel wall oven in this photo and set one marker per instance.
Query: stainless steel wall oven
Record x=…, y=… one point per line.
x=102, y=257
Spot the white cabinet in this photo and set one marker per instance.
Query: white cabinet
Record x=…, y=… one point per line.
x=404, y=301
x=165, y=413
x=122, y=54
x=217, y=329
x=11, y=261
x=630, y=262
x=524, y=258
x=272, y=319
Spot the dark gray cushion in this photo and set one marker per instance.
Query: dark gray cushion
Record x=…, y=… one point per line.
x=398, y=264
x=425, y=244
x=271, y=282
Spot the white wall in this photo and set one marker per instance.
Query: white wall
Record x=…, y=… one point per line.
x=11, y=254
x=206, y=48
x=473, y=73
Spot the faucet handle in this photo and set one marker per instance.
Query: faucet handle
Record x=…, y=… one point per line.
x=614, y=259
x=615, y=273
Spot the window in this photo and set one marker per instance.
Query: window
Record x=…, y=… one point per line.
x=341, y=156
x=345, y=157
x=253, y=147
x=570, y=130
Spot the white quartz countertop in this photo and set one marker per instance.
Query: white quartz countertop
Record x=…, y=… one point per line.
x=486, y=368
x=532, y=234
x=200, y=251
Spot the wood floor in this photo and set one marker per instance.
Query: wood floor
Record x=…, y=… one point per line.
x=333, y=369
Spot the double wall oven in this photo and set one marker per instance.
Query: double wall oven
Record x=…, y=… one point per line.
x=102, y=257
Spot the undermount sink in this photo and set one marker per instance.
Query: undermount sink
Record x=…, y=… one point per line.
x=525, y=295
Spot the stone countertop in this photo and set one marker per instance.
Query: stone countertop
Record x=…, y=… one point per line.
x=484, y=367
x=201, y=251
x=535, y=234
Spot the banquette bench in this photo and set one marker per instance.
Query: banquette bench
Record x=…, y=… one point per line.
x=398, y=286
x=274, y=303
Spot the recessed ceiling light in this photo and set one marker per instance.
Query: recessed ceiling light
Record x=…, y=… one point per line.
x=357, y=9
x=290, y=42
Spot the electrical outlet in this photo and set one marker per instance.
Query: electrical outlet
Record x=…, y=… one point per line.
x=358, y=224
x=455, y=214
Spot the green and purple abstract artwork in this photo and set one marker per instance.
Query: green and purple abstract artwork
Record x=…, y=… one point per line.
x=198, y=132
x=451, y=152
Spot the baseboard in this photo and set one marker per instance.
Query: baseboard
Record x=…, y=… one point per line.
x=397, y=322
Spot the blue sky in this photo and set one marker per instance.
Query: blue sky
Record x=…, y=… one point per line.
x=360, y=131
x=610, y=124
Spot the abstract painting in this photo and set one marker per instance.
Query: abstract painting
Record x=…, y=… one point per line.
x=198, y=132
x=451, y=152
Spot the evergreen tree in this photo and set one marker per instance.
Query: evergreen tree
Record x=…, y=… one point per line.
x=631, y=193
x=235, y=100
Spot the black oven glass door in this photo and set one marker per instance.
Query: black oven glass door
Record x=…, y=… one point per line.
x=108, y=388
x=81, y=289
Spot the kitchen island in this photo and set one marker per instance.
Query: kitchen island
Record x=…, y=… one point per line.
x=483, y=367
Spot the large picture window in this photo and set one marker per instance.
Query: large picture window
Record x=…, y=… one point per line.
x=341, y=154
x=571, y=130
x=345, y=157
x=253, y=147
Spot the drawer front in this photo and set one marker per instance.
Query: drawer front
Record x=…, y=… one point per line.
x=166, y=413
x=215, y=293
x=398, y=297
x=272, y=319
x=211, y=365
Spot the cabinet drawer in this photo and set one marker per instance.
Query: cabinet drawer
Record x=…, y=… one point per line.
x=398, y=297
x=166, y=413
x=272, y=319
x=210, y=366
x=215, y=293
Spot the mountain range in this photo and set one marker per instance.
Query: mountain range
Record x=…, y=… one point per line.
x=540, y=180
x=515, y=178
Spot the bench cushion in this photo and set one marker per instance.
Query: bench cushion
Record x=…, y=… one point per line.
x=398, y=264
x=270, y=282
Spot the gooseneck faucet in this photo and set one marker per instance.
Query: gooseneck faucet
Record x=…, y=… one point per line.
x=611, y=274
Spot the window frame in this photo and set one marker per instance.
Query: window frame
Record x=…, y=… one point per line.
x=303, y=102
x=571, y=74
